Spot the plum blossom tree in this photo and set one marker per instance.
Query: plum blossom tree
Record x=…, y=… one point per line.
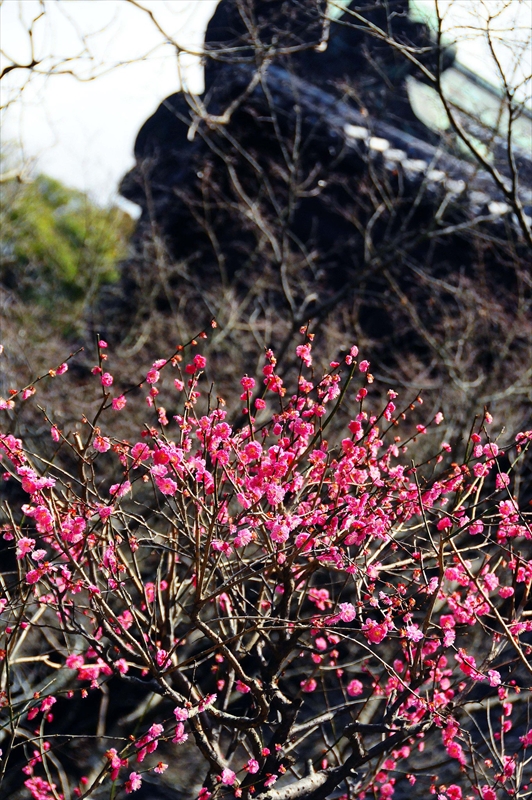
x=293, y=615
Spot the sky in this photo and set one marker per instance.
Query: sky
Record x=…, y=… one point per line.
x=81, y=127
x=82, y=131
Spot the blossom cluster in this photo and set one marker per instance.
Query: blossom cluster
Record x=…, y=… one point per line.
x=251, y=572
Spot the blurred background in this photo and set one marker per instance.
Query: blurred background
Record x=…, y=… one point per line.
x=107, y=64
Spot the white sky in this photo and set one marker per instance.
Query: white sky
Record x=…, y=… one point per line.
x=82, y=132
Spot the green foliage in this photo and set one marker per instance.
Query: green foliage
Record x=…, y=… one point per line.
x=58, y=246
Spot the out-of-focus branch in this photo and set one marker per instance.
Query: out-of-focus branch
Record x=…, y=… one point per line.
x=510, y=192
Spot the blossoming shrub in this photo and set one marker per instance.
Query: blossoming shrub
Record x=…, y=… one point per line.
x=295, y=617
